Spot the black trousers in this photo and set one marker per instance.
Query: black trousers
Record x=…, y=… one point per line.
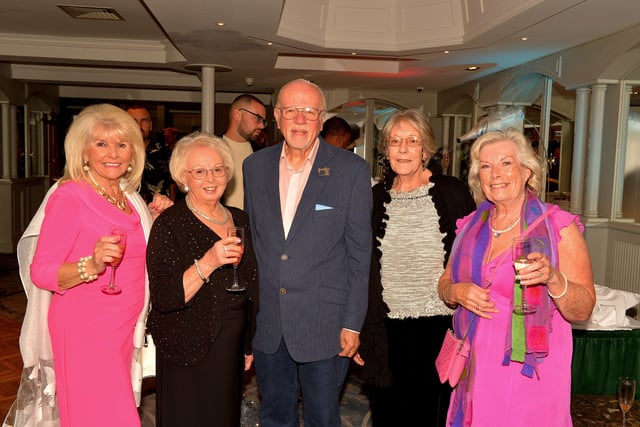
x=416, y=397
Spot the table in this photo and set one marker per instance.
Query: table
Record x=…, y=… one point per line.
x=600, y=357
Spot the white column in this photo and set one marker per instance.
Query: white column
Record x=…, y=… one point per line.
x=369, y=140
x=208, y=79
x=208, y=98
x=6, y=140
x=13, y=137
x=545, y=125
x=579, y=149
x=621, y=152
x=596, y=120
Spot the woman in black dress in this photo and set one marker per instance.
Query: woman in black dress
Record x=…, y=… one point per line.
x=202, y=332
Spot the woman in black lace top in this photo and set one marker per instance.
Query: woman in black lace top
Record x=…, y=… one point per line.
x=202, y=332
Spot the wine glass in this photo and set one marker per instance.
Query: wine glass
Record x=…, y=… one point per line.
x=239, y=233
x=521, y=248
x=112, y=288
x=626, y=393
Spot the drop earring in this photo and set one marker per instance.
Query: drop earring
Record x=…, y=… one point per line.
x=86, y=167
x=186, y=188
x=129, y=168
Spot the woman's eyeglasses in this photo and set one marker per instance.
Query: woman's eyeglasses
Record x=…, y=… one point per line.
x=258, y=117
x=309, y=113
x=201, y=173
x=412, y=141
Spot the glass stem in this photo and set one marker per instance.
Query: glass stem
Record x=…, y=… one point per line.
x=112, y=279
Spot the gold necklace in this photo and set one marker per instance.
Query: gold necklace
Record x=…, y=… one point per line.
x=120, y=204
x=207, y=217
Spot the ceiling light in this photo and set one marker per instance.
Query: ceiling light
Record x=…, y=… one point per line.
x=446, y=51
x=472, y=68
x=220, y=24
x=88, y=12
x=269, y=43
x=524, y=39
x=354, y=53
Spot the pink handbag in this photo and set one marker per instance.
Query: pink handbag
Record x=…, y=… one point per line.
x=452, y=358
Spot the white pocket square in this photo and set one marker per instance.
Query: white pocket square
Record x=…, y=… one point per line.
x=320, y=207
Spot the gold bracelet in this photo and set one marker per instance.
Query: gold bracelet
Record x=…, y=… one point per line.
x=566, y=287
x=446, y=301
x=202, y=277
x=82, y=269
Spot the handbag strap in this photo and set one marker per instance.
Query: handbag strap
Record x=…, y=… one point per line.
x=533, y=225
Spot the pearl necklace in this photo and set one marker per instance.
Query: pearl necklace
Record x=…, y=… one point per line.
x=207, y=217
x=120, y=204
x=497, y=233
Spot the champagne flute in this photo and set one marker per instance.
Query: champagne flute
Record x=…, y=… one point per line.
x=237, y=232
x=521, y=248
x=112, y=288
x=626, y=393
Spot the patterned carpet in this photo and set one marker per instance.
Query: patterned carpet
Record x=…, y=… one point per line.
x=587, y=410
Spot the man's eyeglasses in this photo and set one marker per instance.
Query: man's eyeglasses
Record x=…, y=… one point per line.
x=201, y=173
x=258, y=117
x=309, y=113
x=412, y=141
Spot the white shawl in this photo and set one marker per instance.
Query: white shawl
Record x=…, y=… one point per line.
x=36, y=404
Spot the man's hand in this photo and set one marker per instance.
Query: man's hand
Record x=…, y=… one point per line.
x=349, y=342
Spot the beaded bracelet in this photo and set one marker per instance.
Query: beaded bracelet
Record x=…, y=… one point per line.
x=202, y=277
x=82, y=269
x=566, y=287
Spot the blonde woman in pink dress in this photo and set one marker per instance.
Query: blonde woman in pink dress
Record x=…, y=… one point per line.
x=519, y=367
x=92, y=333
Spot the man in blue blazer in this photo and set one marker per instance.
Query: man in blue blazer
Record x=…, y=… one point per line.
x=309, y=205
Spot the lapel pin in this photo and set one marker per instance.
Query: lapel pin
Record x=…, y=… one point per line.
x=325, y=171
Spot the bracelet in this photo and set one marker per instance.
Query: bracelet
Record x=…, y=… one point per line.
x=204, y=279
x=446, y=301
x=82, y=269
x=566, y=287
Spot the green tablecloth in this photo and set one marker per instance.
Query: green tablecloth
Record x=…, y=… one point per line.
x=600, y=357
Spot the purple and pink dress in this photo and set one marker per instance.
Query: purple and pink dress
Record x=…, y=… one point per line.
x=91, y=332
x=495, y=390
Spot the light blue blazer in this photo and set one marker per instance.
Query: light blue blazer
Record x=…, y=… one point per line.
x=315, y=282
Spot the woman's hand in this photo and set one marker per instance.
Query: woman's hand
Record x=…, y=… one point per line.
x=473, y=298
x=224, y=251
x=158, y=205
x=469, y=295
x=105, y=252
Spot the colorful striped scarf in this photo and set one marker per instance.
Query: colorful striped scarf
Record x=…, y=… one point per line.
x=526, y=340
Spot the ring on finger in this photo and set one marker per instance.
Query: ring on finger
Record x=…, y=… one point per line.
x=224, y=248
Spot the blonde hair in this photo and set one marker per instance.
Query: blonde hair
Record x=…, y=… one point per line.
x=198, y=139
x=417, y=120
x=107, y=120
x=524, y=153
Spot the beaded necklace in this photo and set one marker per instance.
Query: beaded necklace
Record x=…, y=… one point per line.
x=497, y=233
x=120, y=204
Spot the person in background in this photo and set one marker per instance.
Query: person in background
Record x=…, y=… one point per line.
x=337, y=131
x=91, y=332
x=156, y=177
x=310, y=203
x=414, y=217
x=202, y=332
x=247, y=119
x=519, y=366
